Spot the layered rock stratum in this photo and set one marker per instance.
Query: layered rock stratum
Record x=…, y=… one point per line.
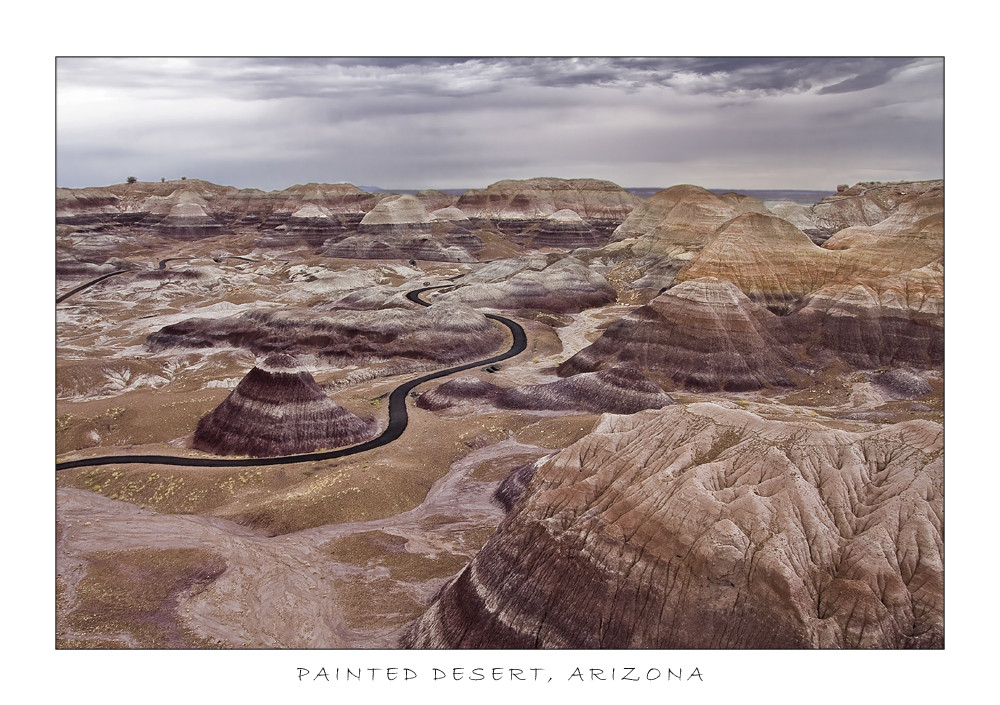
x=556, y=284
x=149, y=202
x=445, y=332
x=278, y=409
x=532, y=199
x=399, y=227
x=897, y=320
x=617, y=390
x=702, y=527
x=704, y=333
x=530, y=211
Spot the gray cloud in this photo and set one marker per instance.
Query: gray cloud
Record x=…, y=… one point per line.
x=453, y=122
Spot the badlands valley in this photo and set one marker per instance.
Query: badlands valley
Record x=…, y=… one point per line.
x=548, y=413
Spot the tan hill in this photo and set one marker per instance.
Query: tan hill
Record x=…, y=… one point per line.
x=686, y=232
x=682, y=218
x=768, y=258
x=895, y=320
x=699, y=527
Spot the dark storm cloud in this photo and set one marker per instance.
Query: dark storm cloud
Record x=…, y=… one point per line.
x=464, y=122
x=274, y=78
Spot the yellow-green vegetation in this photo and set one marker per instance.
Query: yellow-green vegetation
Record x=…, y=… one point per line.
x=556, y=431
x=128, y=599
x=830, y=387
x=173, y=491
x=134, y=418
x=388, y=601
x=376, y=604
x=497, y=469
x=378, y=548
x=726, y=440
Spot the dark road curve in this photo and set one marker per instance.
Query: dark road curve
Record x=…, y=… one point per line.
x=60, y=299
x=162, y=265
x=398, y=416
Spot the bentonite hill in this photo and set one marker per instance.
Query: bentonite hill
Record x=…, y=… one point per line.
x=548, y=413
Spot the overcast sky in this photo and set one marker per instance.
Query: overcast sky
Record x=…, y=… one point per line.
x=808, y=123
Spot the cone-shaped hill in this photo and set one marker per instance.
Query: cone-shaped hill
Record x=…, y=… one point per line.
x=278, y=409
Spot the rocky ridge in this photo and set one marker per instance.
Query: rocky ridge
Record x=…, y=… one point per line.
x=697, y=526
x=445, y=332
x=617, y=390
x=555, y=284
x=704, y=333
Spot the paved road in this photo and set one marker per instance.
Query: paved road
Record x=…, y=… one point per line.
x=162, y=265
x=60, y=299
x=398, y=416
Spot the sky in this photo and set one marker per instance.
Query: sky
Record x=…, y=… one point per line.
x=270, y=123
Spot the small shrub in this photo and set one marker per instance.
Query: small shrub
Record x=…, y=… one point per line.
x=130, y=179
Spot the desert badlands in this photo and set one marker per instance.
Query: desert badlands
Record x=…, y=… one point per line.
x=548, y=413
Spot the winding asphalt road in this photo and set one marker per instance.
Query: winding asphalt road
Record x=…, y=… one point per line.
x=60, y=299
x=162, y=265
x=398, y=416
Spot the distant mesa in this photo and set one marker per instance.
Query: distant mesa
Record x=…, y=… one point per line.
x=700, y=527
x=617, y=390
x=399, y=227
x=206, y=208
x=702, y=334
x=870, y=203
x=530, y=199
x=520, y=208
x=278, y=409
